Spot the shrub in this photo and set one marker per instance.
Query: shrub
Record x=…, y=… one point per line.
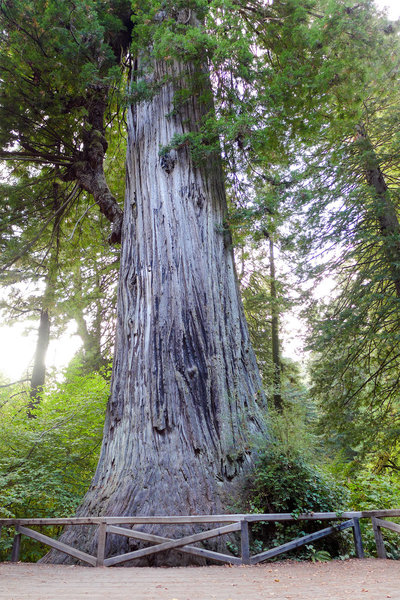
x=287, y=483
x=373, y=491
x=47, y=462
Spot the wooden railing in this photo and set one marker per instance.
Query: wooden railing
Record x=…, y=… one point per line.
x=226, y=524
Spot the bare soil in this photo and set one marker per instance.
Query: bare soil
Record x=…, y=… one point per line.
x=369, y=579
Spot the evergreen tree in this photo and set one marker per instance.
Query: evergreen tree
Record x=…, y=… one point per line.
x=186, y=401
x=349, y=197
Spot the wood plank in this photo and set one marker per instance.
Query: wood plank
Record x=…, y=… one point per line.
x=326, y=516
x=380, y=546
x=101, y=544
x=53, y=521
x=197, y=537
x=225, y=558
x=227, y=518
x=299, y=542
x=394, y=512
x=138, y=535
x=388, y=525
x=171, y=520
x=58, y=545
x=358, y=539
x=244, y=542
x=125, y=520
x=149, y=537
x=16, y=547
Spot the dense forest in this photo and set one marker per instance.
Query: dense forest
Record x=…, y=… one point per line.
x=181, y=181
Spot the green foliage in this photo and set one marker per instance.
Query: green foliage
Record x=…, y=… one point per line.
x=47, y=462
x=288, y=483
x=368, y=490
x=293, y=427
x=283, y=483
x=347, y=227
x=318, y=555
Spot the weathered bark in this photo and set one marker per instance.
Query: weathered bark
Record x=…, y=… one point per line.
x=186, y=407
x=384, y=209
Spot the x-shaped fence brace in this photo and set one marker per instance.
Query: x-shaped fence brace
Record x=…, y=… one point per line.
x=112, y=525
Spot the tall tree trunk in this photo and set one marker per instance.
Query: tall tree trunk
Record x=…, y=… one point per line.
x=384, y=209
x=186, y=406
x=39, y=364
x=92, y=358
x=276, y=357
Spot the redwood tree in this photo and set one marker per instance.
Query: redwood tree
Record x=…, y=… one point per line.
x=184, y=412
x=186, y=407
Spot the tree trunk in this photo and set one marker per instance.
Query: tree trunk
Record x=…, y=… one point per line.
x=91, y=355
x=187, y=407
x=384, y=209
x=276, y=357
x=39, y=363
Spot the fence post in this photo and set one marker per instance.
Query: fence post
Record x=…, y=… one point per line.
x=244, y=542
x=380, y=546
x=101, y=544
x=357, y=538
x=16, y=546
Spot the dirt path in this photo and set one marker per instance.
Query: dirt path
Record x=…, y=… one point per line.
x=369, y=579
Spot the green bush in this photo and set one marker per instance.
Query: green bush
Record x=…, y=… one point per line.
x=283, y=483
x=372, y=491
x=47, y=462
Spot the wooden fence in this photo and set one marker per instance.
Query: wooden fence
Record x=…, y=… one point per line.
x=226, y=524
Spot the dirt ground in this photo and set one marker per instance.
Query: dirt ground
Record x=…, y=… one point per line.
x=369, y=579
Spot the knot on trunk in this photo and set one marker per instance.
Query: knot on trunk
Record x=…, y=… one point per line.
x=167, y=161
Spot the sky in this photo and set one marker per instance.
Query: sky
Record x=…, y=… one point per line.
x=17, y=343
x=393, y=7
x=17, y=349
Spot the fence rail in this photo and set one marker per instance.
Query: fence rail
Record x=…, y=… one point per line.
x=226, y=524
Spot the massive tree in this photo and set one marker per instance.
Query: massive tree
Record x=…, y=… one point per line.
x=184, y=412
x=186, y=407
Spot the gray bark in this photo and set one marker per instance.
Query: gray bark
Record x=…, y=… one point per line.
x=187, y=407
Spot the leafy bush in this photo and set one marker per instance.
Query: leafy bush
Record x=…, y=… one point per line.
x=47, y=462
x=372, y=491
x=287, y=483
